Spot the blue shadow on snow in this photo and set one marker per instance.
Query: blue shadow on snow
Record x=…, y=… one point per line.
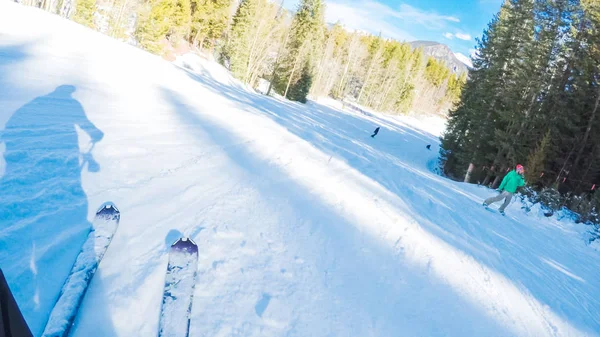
x=387, y=161
x=380, y=289
x=43, y=207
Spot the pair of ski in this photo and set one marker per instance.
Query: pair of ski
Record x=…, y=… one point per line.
x=178, y=292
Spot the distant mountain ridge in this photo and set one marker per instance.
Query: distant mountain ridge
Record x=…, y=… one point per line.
x=443, y=53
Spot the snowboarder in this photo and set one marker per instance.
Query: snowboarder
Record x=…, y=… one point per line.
x=511, y=182
x=428, y=147
x=375, y=133
x=12, y=323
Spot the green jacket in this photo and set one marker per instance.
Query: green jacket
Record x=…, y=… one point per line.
x=511, y=182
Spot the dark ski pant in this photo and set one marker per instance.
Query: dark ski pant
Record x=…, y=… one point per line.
x=507, y=196
x=12, y=323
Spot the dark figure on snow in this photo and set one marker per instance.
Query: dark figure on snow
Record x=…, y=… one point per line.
x=511, y=182
x=428, y=147
x=375, y=133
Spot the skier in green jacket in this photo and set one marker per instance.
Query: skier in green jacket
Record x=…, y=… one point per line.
x=511, y=182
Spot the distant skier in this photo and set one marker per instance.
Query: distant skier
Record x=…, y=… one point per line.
x=428, y=147
x=375, y=133
x=511, y=182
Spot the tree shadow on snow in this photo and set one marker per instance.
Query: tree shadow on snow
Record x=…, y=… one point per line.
x=373, y=283
x=389, y=160
x=43, y=207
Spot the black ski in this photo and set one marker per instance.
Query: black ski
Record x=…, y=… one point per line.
x=179, y=289
x=93, y=249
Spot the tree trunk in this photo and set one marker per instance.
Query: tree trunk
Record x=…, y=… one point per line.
x=329, y=84
x=586, y=173
x=276, y=65
x=587, y=131
x=287, y=87
x=341, y=86
x=375, y=57
x=488, y=176
x=388, y=88
x=328, y=49
x=469, y=172
x=498, y=179
x=249, y=63
x=260, y=56
x=118, y=21
x=565, y=164
x=351, y=49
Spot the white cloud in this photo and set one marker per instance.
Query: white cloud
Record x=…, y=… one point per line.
x=366, y=18
x=464, y=59
x=375, y=17
x=430, y=19
x=462, y=36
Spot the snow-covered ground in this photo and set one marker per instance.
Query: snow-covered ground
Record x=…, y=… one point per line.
x=306, y=225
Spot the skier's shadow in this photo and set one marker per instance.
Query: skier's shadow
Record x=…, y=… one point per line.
x=43, y=208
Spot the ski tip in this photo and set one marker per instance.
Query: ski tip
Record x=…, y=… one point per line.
x=186, y=244
x=107, y=205
x=109, y=210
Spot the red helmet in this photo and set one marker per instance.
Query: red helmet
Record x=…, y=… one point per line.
x=520, y=168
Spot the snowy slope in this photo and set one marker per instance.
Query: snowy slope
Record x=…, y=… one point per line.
x=464, y=59
x=306, y=226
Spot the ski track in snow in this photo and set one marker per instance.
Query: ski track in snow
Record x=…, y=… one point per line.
x=305, y=225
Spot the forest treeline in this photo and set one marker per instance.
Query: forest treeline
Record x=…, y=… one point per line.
x=533, y=99
x=298, y=53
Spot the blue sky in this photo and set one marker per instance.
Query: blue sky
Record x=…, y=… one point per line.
x=454, y=22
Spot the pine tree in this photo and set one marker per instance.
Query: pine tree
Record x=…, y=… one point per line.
x=209, y=21
x=261, y=43
x=299, y=90
x=435, y=72
x=306, y=36
x=180, y=20
x=84, y=12
x=376, y=49
x=237, y=49
x=455, y=86
x=480, y=118
x=351, y=55
x=162, y=19
x=536, y=161
x=254, y=33
x=329, y=62
x=118, y=18
x=153, y=24
x=536, y=78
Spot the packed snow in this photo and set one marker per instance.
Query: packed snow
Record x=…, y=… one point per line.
x=306, y=225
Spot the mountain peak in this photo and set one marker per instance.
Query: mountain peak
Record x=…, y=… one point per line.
x=443, y=53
